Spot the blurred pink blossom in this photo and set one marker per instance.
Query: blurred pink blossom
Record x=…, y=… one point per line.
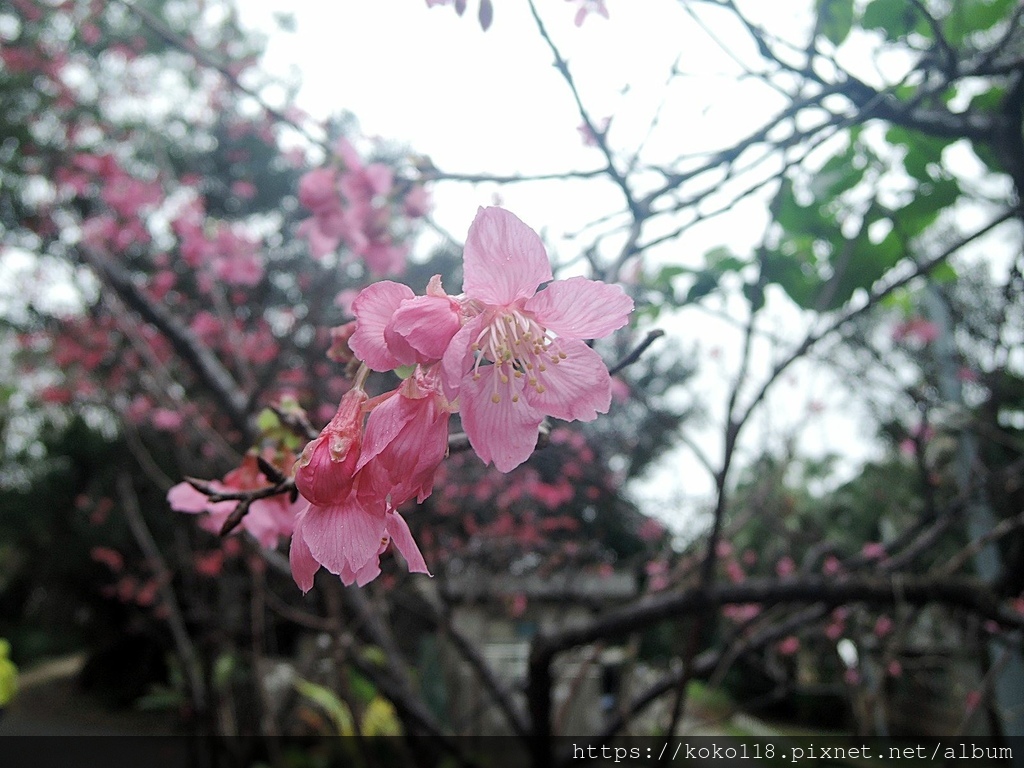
x=789, y=646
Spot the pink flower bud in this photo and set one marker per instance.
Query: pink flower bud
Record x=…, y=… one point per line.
x=324, y=471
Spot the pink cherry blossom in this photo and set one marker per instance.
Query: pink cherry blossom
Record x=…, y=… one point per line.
x=268, y=520
x=785, y=567
x=521, y=355
x=789, y=645
x=587, y=7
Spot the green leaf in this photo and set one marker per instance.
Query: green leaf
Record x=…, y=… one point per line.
x=835, y=19
x=224, y=668
x=327, y=700
x=922, y=151
x=789, y=214
x=896, y=18
x=944, y=273
x=988, y=101
x=754, y=293
x=705, y=284
x=792, y=274
x=858, y=265
x=929, y=201
x=267, y=420
x=662, y=281
x=970, y=16
x=721, y=260
x=837, y=175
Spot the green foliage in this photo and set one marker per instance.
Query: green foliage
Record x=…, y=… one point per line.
x=894, y=18
x=328, y=701
x=835, y=19
x=967, y=17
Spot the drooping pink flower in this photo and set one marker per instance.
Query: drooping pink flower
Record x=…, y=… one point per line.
x=348, y=540
x=521, y=355
x=354, y=482
x=406, y=439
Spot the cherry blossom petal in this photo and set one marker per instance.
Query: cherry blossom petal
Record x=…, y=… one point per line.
x=406, y=439
x=427, y=325
x=385, y=423
x=579, y=308
x=361, y=576
x=304, y=565
x=504, y=432
x=373, y=308
x=577, y=388
x=184, y=498
x=503, y=260
x=349, y=156
x=260, y=522
x=343, y=534
x=458, y=357
x=380, y=178
x=402, y=538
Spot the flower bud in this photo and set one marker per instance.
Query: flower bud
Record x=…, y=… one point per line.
x=325, y=470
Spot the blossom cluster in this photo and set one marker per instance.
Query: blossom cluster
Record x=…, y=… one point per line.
x=502, y=354
x=353, y=203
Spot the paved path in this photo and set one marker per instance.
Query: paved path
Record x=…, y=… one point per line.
x=50, y=703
